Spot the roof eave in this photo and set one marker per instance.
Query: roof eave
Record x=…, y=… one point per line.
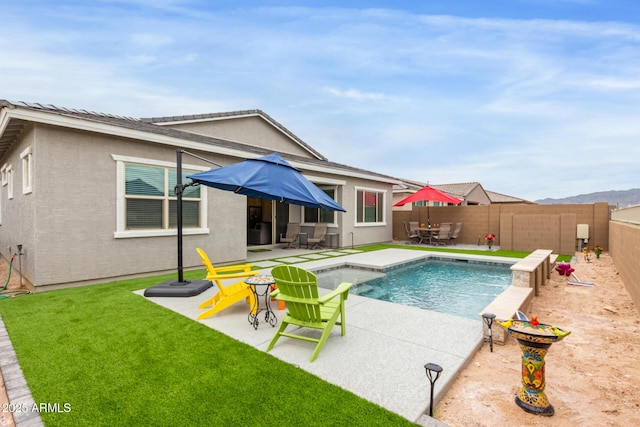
x=62, y=119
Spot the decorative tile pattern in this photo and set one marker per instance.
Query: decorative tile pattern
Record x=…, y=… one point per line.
x=314, y=256
x=291, y=260
x=266, y=264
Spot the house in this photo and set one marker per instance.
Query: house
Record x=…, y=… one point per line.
x=90, y=198
x=498, y=198
x=471, y=193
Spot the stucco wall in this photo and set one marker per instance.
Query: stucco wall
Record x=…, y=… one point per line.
x=247, y=130
x=365, y=233
x=522, y=227
x=477, y=197
x=68, y=224
x=624, y=246
x=74, y=217
x=19, y=213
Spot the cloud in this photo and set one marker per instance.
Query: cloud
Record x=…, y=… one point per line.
x=354, y=94
x=522, y=106
x=151, y=40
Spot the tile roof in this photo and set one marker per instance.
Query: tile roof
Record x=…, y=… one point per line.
x=463, y=189
x=53, y=108
x=460, y=189
x=503, y=198
x=10, y=135
x=231, y=115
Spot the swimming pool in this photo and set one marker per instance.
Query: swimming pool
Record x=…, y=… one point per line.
x=454, y=287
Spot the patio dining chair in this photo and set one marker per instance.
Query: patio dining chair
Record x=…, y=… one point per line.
x=230, y=294
x=319, y=234
x=443, y=235
x=298, y=288
x=456, y=233
x=291, y=235
x=413, y=236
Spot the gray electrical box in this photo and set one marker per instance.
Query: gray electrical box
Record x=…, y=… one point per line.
x=582, y=234
x=582, y=231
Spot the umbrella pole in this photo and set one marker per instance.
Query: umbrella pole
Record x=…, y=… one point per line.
x=178, y=191
x=180, y=288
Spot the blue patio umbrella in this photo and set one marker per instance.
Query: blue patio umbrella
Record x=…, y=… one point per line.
x=269, y=177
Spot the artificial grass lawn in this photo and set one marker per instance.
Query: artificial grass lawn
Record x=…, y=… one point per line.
x=118, y=359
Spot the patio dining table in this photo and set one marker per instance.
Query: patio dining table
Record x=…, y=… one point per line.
x=427, y=233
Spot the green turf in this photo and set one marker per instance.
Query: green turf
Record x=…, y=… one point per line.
x=118, y=359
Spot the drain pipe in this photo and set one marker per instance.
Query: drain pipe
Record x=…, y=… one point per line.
x=351, y=232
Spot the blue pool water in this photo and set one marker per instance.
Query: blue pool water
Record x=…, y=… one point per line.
x=453, y=287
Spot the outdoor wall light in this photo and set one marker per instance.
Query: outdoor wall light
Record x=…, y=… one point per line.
x=488, y=319
x=431, y=369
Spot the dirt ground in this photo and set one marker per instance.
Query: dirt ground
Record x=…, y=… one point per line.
x=592, y=375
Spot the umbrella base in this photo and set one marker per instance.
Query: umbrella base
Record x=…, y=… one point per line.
x=173, y=288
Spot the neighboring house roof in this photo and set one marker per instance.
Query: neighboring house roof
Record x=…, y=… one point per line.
x=170, y=120
x=408, y=186
x=463, y=190
x=460, y=190
x=15, y=115
x=503, y=198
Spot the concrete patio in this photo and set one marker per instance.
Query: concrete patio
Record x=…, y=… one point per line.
x=383, y=354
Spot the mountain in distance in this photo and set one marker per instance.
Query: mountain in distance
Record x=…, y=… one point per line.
x=619, y=198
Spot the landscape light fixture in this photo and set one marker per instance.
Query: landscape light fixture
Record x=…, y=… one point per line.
x=431, y=369
x=488, y=320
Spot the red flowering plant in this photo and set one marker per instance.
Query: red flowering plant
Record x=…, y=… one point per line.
x=490, y=238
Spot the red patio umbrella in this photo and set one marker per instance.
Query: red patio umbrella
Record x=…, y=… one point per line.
x=429, y=194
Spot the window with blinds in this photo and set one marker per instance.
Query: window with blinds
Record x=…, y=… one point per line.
x=151, y=202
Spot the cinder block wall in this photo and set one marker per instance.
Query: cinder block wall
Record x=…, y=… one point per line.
x=521, y=227
x=624, y=246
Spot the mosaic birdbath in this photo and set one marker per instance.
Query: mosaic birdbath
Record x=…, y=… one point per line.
x=534, y=339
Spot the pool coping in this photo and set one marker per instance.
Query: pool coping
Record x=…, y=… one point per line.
x=382, y=356
x=390, y=268
x=375, y=261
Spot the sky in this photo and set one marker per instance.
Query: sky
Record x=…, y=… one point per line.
x=531, y=98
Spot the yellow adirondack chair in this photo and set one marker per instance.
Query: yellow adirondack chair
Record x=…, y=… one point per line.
x=227, y=295
x=299, y=289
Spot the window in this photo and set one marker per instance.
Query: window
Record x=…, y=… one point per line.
x=429, y=203
x=26, y=171
x=369, y=206
x=147, y=203
x=315, y=215
x=9, y=182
